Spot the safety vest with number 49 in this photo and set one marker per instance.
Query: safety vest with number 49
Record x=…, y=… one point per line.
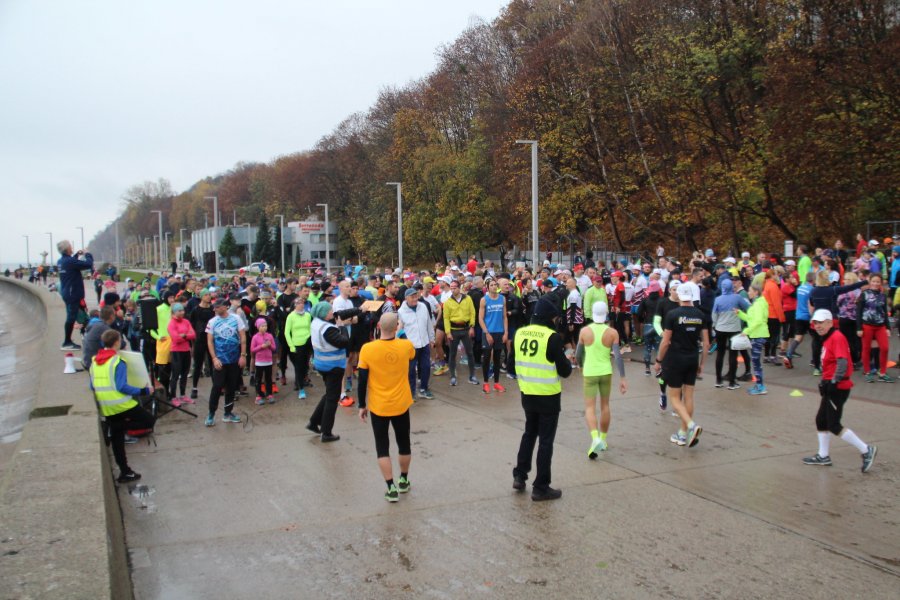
x=535, y=374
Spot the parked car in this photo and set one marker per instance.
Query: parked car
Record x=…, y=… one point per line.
x=257, y=267
x=309, y=264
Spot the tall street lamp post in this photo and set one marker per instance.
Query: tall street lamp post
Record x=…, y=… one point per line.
x=281, y=239
x=399, y=225
x=534, y=201
x=327, y=239
x=215, y=200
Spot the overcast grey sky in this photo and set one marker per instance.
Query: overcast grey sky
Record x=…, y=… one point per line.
x=100, y=95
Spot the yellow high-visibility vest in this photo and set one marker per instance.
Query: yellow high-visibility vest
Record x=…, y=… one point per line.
x=109, y=399
x=535, y=374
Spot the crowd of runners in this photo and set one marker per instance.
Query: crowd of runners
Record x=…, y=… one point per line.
x=467, y=322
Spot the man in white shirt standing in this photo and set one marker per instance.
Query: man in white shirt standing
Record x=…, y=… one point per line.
x=417, y=323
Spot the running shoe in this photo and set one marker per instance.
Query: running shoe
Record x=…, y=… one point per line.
x=510, y=376
x=870, y=377
x=187, y=400
x=270, y=399
x=758, y=390
x=817, y=372
x=70, y=346
x=403, y=485
x=787, y=362
x=301, y=395
x=822, y=461
x=518, y=482
x=499, y=388
x=231, y=418
x=486, y=388
x=678, y=438
x=663, y=402
x=453, y=381
x=693, y=435
x=598, y=445
x=885, y=379
x=128, y=477
x=346, y=401
x=426, y=394
x=720, y=383
x=748, y=376
x=474, y=381
x=713, y=348
x=868, y=458
x=210, y=420
x=393, y=494
x=547, y=493
x=194, y=394
x=260, y=401
x=176, y=402
x=734, y=386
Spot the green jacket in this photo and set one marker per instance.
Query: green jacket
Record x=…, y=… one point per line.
x=757, y=318
x=592, y=295
x=297, y=329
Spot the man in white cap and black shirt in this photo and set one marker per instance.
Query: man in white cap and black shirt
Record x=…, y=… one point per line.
x=683, y=328
x=834, y=389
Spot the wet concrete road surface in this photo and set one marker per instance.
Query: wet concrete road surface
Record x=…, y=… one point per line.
x=263, y=509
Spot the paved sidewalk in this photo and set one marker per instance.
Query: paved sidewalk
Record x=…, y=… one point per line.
x=263, y=509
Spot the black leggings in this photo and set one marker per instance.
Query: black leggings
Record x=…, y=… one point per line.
x=401, y=433
x=830, y=410
x=774, y=337
x=723, y=339
x=300, y=360
x=497, y=350
x=201, y=359
x=263, y=372
x=181, y=366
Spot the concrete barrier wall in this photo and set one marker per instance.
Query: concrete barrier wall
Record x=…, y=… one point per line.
x=61, y=532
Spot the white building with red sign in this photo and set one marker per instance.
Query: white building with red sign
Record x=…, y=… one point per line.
x=304, y=241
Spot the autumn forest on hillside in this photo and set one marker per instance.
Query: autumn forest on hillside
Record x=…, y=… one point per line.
x=734, y=124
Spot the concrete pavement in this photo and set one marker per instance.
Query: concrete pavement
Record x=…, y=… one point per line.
x=263, y=508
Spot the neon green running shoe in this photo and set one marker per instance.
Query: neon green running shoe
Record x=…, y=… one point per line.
x=403, y=485
x=597, y=446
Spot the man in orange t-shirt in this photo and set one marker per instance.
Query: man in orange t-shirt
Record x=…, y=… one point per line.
x=384, y=385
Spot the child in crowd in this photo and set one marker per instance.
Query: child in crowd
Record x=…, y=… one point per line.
x=262, y=348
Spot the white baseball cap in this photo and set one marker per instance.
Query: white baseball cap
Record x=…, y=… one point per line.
x=789, y=263
x=685, y=293
x=745, y=255
x=822, y=314
x=873, y=242
x=729, y=259
x=599, y=312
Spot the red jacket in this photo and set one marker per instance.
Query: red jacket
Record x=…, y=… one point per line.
x=176, y=328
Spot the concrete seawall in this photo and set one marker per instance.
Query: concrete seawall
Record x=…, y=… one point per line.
x=61, y=533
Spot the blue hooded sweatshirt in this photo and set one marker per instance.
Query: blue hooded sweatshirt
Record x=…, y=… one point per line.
x=723, y=315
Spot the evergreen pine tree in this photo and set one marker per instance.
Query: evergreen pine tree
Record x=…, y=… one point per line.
x=262, y=243
x=228, y=247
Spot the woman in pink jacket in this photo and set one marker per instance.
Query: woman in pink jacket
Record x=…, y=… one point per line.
x=262, y=348
x=181, y=332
